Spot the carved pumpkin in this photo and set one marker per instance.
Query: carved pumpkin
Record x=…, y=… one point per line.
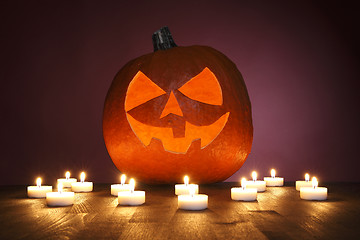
x=178, y=111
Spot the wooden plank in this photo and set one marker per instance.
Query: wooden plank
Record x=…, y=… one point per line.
x=279, y=213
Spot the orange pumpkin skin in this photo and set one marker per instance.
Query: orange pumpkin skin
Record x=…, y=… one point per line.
x=170, y=69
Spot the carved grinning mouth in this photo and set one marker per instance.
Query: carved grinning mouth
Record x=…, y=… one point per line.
x=181, y=145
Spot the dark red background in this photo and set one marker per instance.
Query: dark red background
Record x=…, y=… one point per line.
x=299, y=59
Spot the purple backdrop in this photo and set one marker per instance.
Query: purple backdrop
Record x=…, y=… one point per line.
x=300, y=61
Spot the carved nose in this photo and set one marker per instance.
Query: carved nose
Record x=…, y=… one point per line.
x=172, y=106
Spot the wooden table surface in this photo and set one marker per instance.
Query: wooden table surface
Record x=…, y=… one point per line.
x=279, y=213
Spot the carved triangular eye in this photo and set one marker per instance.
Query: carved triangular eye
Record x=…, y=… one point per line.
x=204, y=87
x=141, y=89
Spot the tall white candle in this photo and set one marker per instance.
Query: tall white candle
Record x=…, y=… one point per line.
x=314, y=192
x=259, y=185
x=60, y=198
x=132, y=197
x=192, y=201
x=67, y=181
x=305, y=183
x=274, y=181
x=242, y=193
x=38, y=191
x=181, y=189
x=82, y=186
x=116, y=188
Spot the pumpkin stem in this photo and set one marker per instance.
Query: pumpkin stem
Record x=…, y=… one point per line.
x=162, y=39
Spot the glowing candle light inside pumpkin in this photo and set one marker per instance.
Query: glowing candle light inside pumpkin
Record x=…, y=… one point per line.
x=259, y=185
x=82, y=186
x=305, y=183
x=116, y=188
x=243, y=194
x=181, y=189
x=314, y=192
x=38, y=191
x=132, y=197
x=274, y=181
x=67, y=181
x=192, y=201
x=60, y=198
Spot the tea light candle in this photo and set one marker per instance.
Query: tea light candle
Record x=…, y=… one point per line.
x=193, y=201
x=67, y=181
x=116, y=188
x=38, y=191
x=274, y=181
x=60, y=198
x=305, y=183
x=314, y=192
x=82, y=186
x=259, y=185
x=242, y=193
x=132, y=198
x=181, y=189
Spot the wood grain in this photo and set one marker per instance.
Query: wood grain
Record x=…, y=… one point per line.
x=279, y=213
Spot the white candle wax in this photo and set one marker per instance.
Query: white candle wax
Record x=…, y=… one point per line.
x=132, y=198
x=274, y=182
x=55, y=199
x=314, y=192
x=259, y=185
x=116, y=188
x=183, y=189
x=67, y=182
x=82, y=186
x=241, y=194
x=38, y=191
x=310, y=193
x=300, y=184
x=60, y=199
x=305, y=183
x=193, y=202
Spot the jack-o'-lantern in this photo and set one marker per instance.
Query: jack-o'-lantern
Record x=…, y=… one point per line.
x=178, y=111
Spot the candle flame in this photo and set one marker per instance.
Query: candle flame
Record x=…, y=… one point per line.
x=132, y=184
x=243, y=183
x=254, y=175
x=67, y=175
x=186, y=180
x=122, y=179
x=192, y=190
x=307, y=177
x=272, y=172
x=314, y=182
x=38, y=182
x=60, y=187
x=82, y=177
